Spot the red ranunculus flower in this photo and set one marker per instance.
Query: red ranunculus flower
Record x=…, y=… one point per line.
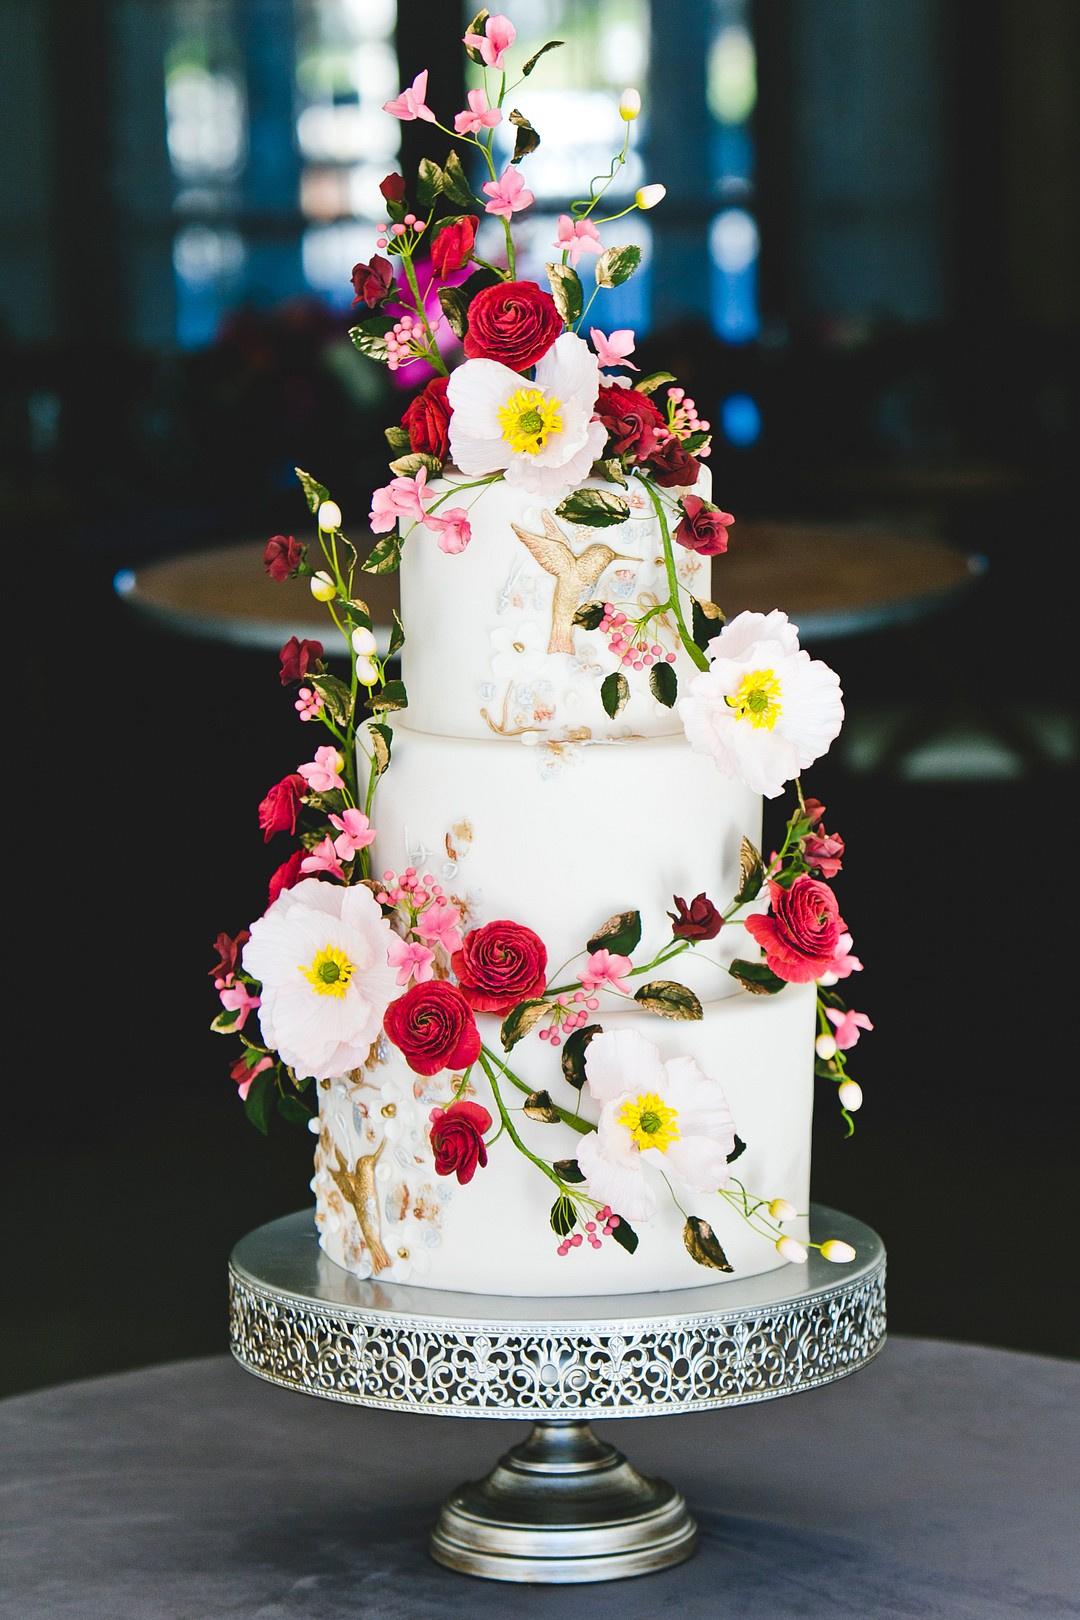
x=631, y=420
x=286, y=874
x=801, y=932
x=824, y=852
x=393, y=188
x=670, y=466
x=513, y=322
x=298, y=659
x=228, y=950
x=433, y=1026
x=428, y=420
x=451, y=248
x=374, y=282
x=282, y=557
x=457, y=1139
x=703, y=527
x=499, y=965
x=279, y=810
x=698, y=920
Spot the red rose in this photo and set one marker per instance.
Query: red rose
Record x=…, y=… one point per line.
x=451, y=248
x=457, y=1139
x=372, y=283
x=813, y=810
x=433, y=1025
x=393, y=188
x=514, y=322
x=428, y=420
x=698, y=920
x=279, y=810
x=282, y=557
x=298, y=658
x=824, y=852
x=286, y=874
x=670, y=466
x=703, y=527
x=228, y=950
x=499, y=965
x=801, y=932
x=631, y=420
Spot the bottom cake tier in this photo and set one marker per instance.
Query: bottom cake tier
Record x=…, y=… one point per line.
x=381, y=1209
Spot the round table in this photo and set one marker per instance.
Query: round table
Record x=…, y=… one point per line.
x=942, y=1482
x=835, y=580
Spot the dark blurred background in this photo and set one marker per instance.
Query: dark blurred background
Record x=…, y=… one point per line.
x=866, y=271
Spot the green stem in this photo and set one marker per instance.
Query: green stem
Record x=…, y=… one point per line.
x=686, y=638
x=508, y=1127
x=667, y=953
x=433, y=357
x=575, y=1123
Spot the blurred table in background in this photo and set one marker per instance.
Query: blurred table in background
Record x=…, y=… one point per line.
x=832, y=580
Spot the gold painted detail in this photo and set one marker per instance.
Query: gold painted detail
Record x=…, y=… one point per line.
x=357, y=1187
x=574, y=575
x=651, y=1122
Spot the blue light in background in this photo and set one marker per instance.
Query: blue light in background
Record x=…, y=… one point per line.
x=734, y=244
x=740, y=420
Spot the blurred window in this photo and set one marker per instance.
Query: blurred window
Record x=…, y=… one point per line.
x=731, y=94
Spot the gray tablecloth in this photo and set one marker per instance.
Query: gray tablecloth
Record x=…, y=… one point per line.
x=940, y=1481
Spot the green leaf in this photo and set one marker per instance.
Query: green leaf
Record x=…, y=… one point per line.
x=358, y=613
x=539, y=1106
x=336, y=696
x=314, y=492
x=572, y=1056
x=370, y=338
x=429, y=184
x=612, y=469
x=654, y=380
x=292, y=1109
x=567, y=291
x=751, y=873
x=595, y=508
x=392, y=696
x=408, y=466
x=617, y=264
x=397, y=438
x=670, y=1000
x=614, y=693
x=706, y=621
x=625, y=1236
x=476, y=27
x=825, y=1069
x=702, y=1245
x=737, y=1151
x=384, y=556
x=382, y=738
x=664, y=684
x=563, y=1216
x=621, y=934
x=397, y=632
x=258, y=1100
x=589, y=614
x=225, y=1022
x=527, y=139
x=568, y=1170
x=552, y=45
x=456, y=186
x=455, y=301
x=520, y=1020
x=756, y=977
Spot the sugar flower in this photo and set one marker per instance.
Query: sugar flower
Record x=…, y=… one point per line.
x=541, y=433
x=309, y=703
x=668, y=1116
x=412, y=102
x=843, y=964
x=320, y=953
x=323, y=858
x=400, y=498
x=613, y=349
x=323, y=775
x=237, y=998
x=509, y=194
x=499, y=34
x=244, y=1073
x=356, y=833
x=577, y=236
x=452, y=527
x=441, y=925
x=412, y=961
x=764, y=709
x=479, y=115
x=847, y=1026
x=605, y=970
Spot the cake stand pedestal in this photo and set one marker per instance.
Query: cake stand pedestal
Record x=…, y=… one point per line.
x=563, y=1506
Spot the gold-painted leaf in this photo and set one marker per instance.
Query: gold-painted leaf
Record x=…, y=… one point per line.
x=617, y=264
x=654, y=380
x=702, y=1245
x=520, y=1020
x=751, y=872
x=408, y=466
x=757, y=977
x=539, y=1106
x=552, y=45
x=527, y=139
x=614, y=693
x=670, y=1000
x=620, y=934
x=572, y=1056
x=566, y=290
x=314, y=492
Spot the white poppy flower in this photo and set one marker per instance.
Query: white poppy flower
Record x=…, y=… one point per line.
x=540, y=433
x=669, y=1115
x=320, y=953
x=764, y=709
x=520, y=654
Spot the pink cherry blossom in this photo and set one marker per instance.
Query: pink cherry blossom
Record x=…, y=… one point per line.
x=843, y=963
x=452, y=527
x=605, y=968
x=499, y=34
x=323, y=775
x=356, y=833
x=479, y=115
x=441, y=924
x=412, y=961
x=308, y=703
x=577, y=236
x=244, y=1076
x=323, y=858
x=400, y=498
x=238, y=999
x=508, y=194
x=847, y=1026
x=613, y=349
x=411, y=103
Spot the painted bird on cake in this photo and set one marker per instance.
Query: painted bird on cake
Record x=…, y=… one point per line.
x=574, y=575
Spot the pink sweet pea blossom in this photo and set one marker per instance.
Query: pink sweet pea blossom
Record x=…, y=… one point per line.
x=356, y=833
x=577, y=236
x=508, y=194
x=479, y=115
x=412, y=961
x=452, y=527
x=847, y=1026
x=441, y=924
x=323, y=775
x=400, y=498
x=244, y=1076
x=323, y=858
x=613, y=349
x=499, y=34
x=843, y=964
x=237, y=998
x=605, y=968
x=411, y=103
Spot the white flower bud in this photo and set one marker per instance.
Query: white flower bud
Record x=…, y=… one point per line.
x=647, y=197
x=792, y=1250
x=839, y=1253
x=329, y=517
x=850, y=1094
x=313, y=1127
x=363, y=642
x=629, y=105
x=825, y=1047
x=781, y=1210
x=323, y=588
x=367, y=671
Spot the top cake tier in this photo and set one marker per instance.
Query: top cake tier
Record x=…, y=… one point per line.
x=493, y=650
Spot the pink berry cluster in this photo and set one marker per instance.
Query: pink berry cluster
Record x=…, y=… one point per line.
x=605, y=1223
x=412, y=891
x=402, y=342
x=683, y=418
x=409, y=223
x=567, y=1020
x=634, y=654
x=308, y=703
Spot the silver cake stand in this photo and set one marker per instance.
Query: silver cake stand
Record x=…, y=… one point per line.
x=563, y=1505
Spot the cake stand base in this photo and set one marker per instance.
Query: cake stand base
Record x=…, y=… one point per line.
x=563, y=1507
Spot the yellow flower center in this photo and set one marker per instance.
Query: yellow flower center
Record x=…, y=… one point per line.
x=528, y=419
x=329, y=972
x=757, y=699
x=650, y=1121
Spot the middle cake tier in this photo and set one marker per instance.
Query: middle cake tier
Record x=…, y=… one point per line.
x=561, y=836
